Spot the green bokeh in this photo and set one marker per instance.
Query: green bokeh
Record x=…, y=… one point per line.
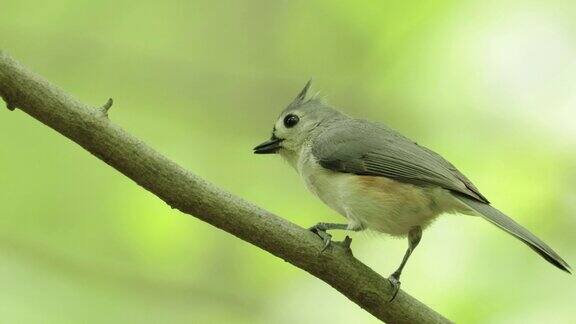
x=490, y=85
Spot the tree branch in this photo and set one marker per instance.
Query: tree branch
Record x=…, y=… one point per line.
x=181, y=189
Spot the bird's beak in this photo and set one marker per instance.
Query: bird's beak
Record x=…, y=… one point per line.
x=270, y=146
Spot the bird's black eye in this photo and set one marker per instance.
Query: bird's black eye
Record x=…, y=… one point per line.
x=291, y=120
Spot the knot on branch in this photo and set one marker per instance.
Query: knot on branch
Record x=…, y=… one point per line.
x=104, y=109
x=9, y=103
x=346, y=244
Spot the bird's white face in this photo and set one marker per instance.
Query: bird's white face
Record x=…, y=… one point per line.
x=290, y=133
x=294, y=128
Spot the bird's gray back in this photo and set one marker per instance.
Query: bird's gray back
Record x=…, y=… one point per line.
x=365, y=148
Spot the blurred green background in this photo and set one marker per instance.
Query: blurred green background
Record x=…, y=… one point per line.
x=488, y=84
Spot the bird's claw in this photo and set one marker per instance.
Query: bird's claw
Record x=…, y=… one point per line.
x=395, y=282
x=325, y=236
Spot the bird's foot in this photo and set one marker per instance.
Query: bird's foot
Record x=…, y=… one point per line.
x=394, y=280
x=320, y=230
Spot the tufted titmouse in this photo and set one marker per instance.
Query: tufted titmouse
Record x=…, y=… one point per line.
x=379, y=179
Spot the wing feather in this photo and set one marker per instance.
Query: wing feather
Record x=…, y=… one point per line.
x=365, y=148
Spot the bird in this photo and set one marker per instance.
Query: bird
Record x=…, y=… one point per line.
x=378, y=179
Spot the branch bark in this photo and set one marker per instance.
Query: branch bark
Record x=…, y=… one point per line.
x=90, y=128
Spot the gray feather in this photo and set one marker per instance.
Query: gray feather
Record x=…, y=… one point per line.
x=509, y=225
x=361, y=147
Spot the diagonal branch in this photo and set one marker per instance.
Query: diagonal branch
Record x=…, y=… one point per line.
x=90, y=128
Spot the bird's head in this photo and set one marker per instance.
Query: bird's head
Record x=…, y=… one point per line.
x=298, y=123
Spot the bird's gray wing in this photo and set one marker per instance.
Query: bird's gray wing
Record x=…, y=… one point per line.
x=364, y=148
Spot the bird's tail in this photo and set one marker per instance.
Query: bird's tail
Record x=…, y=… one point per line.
x=506, y=223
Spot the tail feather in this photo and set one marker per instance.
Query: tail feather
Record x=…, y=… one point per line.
x=509, y=225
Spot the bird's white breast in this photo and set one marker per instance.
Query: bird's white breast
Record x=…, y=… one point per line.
x=378, y=203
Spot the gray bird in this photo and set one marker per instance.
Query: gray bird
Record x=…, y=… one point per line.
x=379, y=179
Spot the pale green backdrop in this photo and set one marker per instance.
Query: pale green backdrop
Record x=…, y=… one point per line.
x=491, y=85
